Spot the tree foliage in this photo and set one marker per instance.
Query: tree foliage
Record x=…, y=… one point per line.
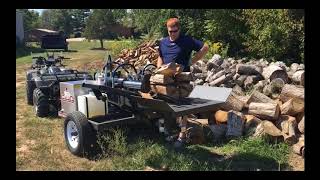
x=31, y=19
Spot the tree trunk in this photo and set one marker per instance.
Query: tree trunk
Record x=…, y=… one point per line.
x=273, y=71
x=292, y=91
x=101, y=43
x=264, y=110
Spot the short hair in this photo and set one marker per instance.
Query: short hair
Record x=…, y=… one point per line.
x=171, y=22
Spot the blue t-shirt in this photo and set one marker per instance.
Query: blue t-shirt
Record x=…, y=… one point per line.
x=179, y=50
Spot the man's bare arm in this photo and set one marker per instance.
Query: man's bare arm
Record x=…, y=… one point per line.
x=159, y=62
x=200, y=54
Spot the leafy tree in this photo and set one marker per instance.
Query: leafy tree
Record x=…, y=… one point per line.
x=31, y=19
x=79, y=17
x=98, y=24
x=275, y=33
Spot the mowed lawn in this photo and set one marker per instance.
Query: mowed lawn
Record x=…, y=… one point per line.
x=40, y=141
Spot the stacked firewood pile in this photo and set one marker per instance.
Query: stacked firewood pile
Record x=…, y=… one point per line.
x=170, y=80
x=267, y=99
x=145, y=53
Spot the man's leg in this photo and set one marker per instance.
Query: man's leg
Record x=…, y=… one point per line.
x=182, y=121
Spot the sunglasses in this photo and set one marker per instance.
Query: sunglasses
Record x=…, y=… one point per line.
x=174, y=31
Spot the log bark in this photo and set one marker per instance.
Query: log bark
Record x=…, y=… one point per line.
x=241, y=79
x=298, y=148
x=233, y=102
x=292, y=108
x=166, y=90
x=161, y=79
x=294, y=67
x=264, y=110
x=301, y=125
x=288, y=125
x=211, y=65
x=219, y=81
x=258, y=97
x=183, y=76
x=298, y=77
x=199, y=82
x=260, y=85
x=195, y=69
x=292, y=91
x=244, y=69
x=273, y=71
x=251, y=124
x=237, y=90
x=184, y=89
x=216, y=76
x=235, y=124
x=169, y=69
x=202, y=76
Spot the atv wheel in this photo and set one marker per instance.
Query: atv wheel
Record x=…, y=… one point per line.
x=80, y=137
x=29, y=89
x=40, y=103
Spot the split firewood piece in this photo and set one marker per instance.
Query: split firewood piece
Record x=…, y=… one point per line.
x=248, y=69
x=264, y=110
x=221, y=116
x=292, y=107
x=292, y=91
x=233, y=102
x=271, y=72
x=161, y=79
x=259, y=98
x=298, y=77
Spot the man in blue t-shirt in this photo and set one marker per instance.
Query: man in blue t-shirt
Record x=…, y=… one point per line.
x=178, y=48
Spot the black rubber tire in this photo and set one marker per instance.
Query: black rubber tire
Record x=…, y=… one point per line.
x=29, y=90
x=87, y=135
x=40, y=103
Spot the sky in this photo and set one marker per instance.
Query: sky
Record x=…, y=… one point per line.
x=38, y=10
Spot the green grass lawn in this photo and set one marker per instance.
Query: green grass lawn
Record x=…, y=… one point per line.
x=40, y=143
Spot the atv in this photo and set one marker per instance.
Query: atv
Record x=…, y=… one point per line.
x=42, y=83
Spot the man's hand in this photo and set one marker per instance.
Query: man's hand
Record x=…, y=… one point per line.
x=200, y=54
